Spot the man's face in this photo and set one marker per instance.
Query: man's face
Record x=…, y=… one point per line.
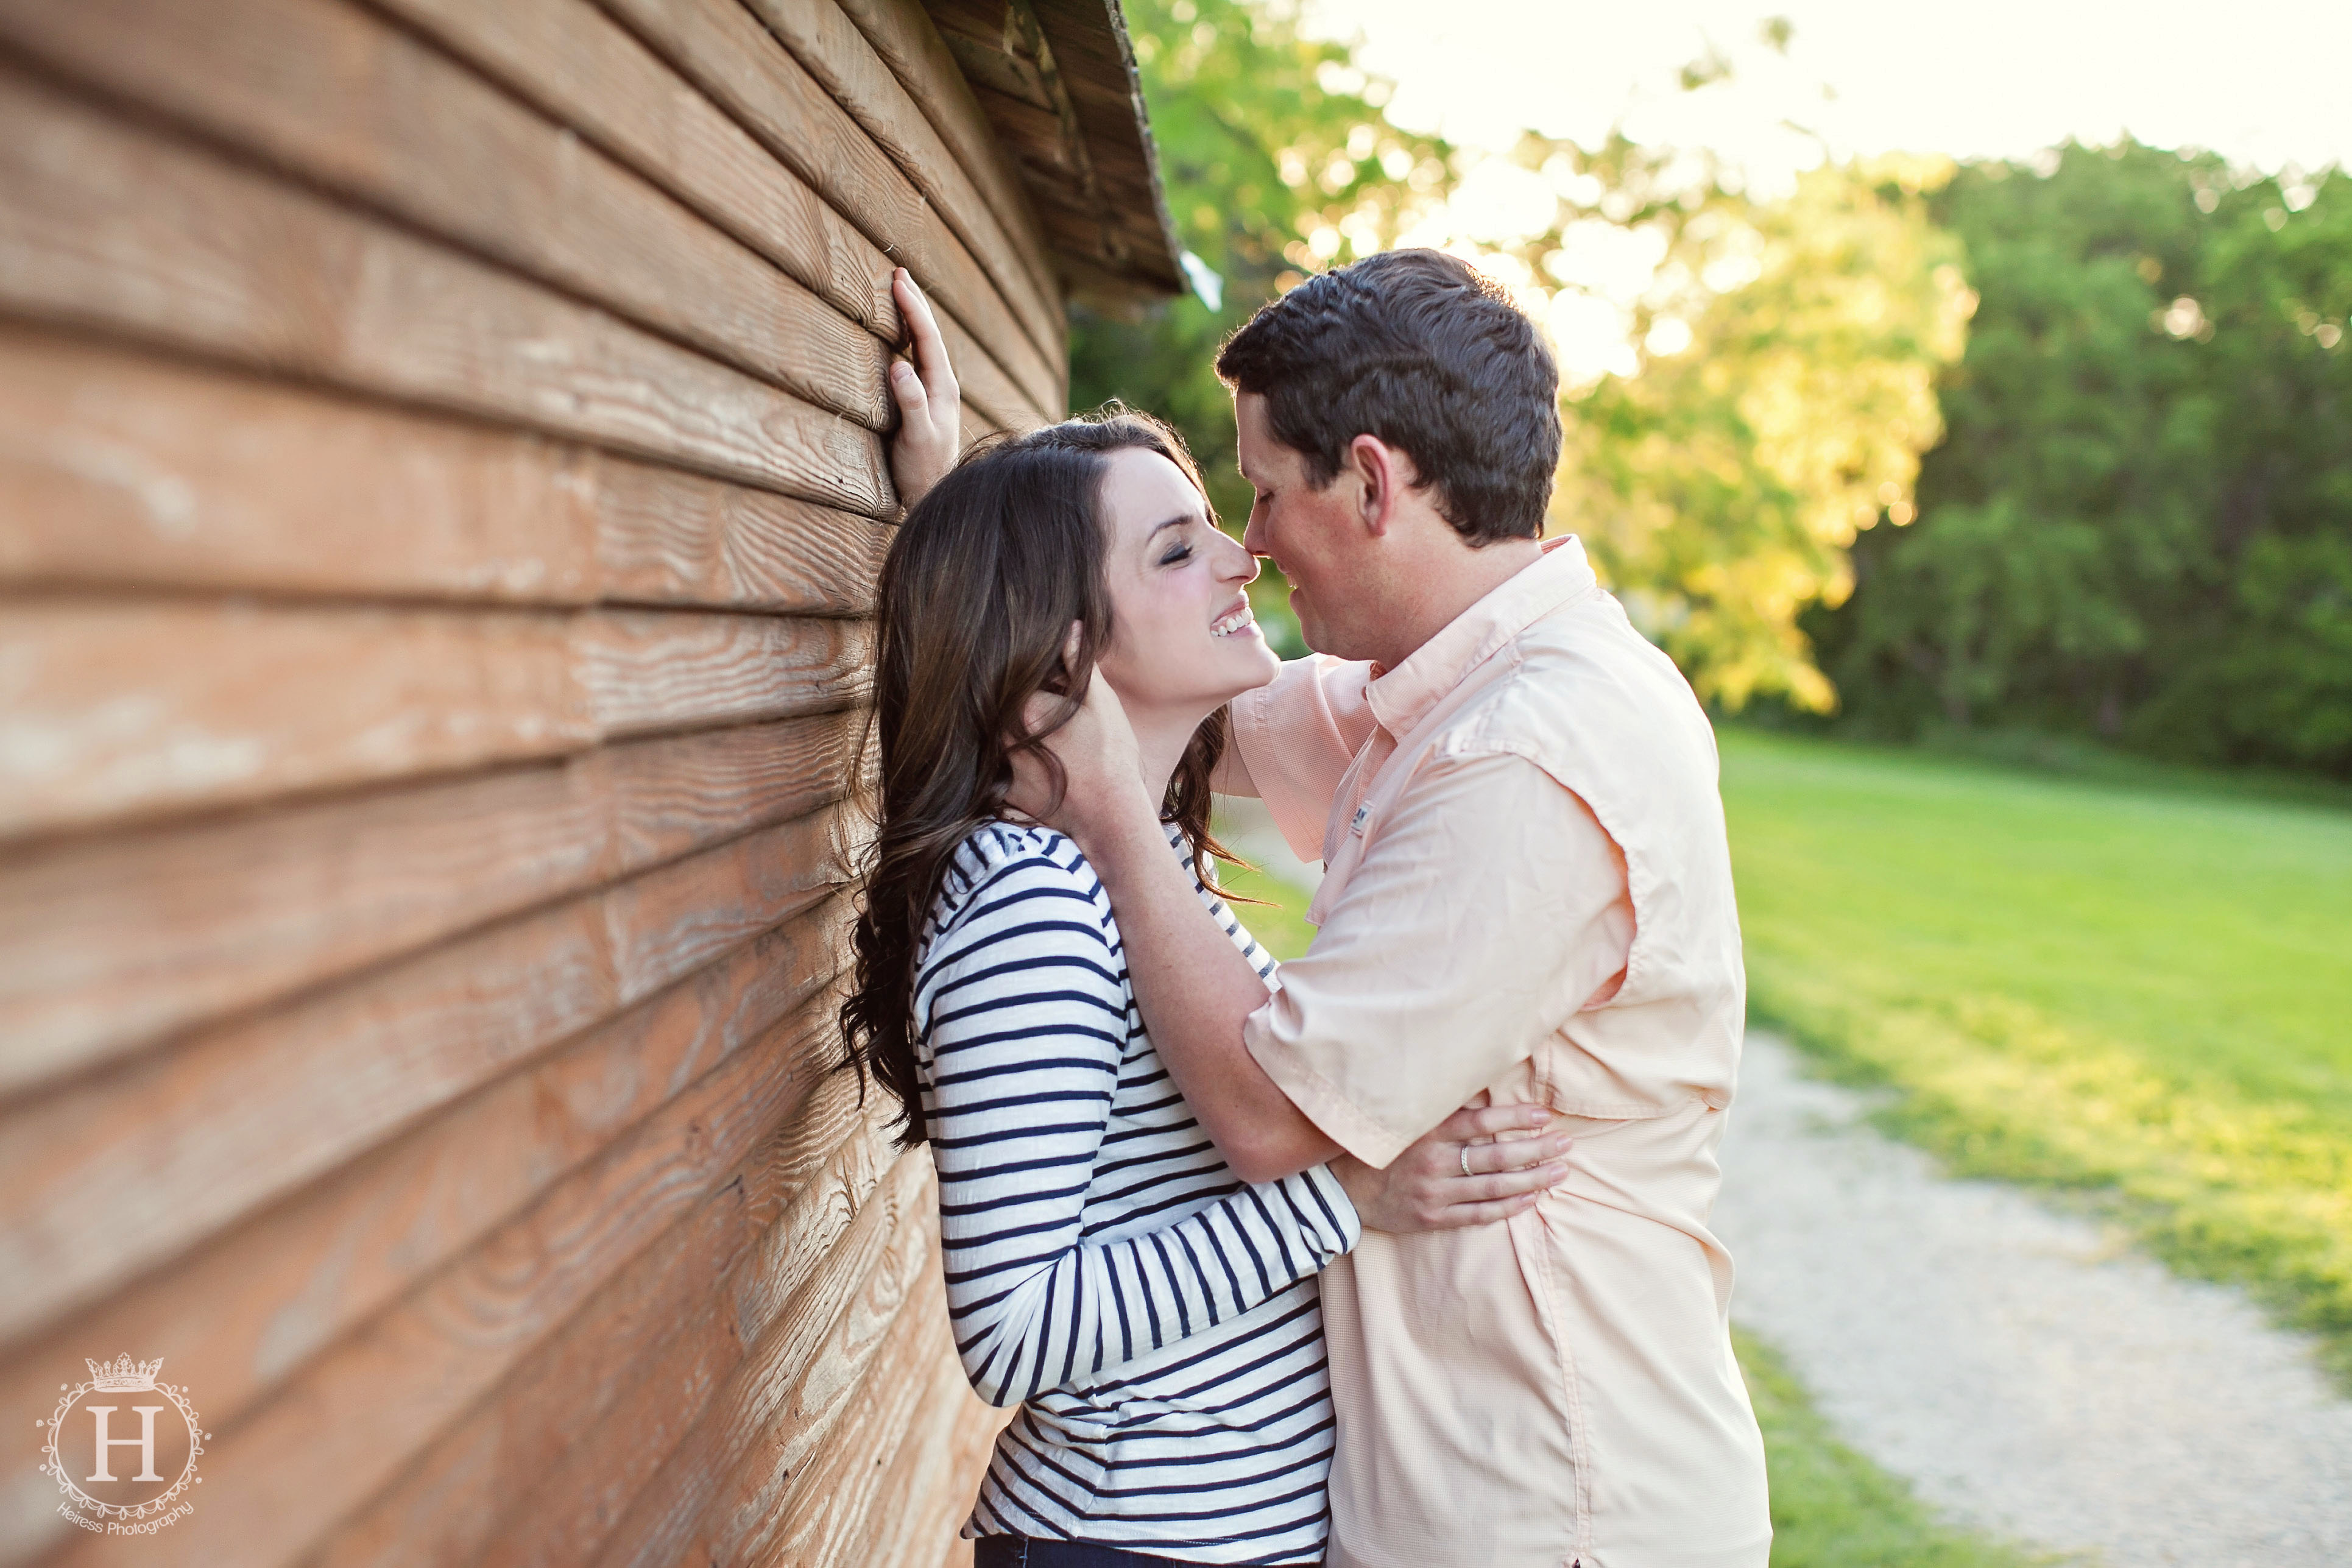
x=1315, y=537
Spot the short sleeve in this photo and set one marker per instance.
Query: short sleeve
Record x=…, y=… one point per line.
x=1491, y=906
x=1295, y=738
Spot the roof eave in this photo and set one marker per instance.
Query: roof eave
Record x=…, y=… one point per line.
x=1057, y=82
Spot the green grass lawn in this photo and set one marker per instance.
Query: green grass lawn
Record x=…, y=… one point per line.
x=2137, y=986
x=1832, y=1507
x=1278, y=918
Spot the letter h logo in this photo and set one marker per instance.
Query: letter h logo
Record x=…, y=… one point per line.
x=145, y=1442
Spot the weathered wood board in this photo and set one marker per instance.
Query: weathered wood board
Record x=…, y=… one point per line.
x=442, y=481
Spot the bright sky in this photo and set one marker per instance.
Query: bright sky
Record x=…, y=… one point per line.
x=2266, y=82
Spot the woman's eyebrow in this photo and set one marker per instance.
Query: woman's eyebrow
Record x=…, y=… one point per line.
x=1176, y=521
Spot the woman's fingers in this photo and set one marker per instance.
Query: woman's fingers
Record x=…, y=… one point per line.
x=923, y=328
x=1506, y=1184
x=907, y=390
x=930, y=416
x=1517, y=1153
x=1461, y=1216
x=1476, y=1124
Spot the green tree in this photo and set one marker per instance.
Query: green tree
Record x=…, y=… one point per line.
x=2140, y=525
x=1783, y=391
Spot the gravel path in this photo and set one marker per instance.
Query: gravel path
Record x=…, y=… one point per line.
x=2030, y=1375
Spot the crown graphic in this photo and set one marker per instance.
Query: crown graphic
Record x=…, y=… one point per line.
x=124, y=1376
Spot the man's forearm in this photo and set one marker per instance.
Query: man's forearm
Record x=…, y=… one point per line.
x=1196, y=991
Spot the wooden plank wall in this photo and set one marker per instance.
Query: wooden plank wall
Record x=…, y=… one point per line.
x=441, y=482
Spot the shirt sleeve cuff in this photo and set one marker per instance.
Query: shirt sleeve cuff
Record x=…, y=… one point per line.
x=1343, y=1209
x=1341, y=1118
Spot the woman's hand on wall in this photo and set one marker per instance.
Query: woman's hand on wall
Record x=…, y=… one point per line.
x=929, y=410
x=1461, y=1173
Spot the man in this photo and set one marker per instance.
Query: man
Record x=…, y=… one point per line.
x=1527, y=891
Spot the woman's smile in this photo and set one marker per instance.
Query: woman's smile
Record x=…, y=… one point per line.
x=1173, y=575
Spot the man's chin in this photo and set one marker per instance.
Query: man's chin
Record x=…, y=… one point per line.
x=1310, y=625
x=1317, y=637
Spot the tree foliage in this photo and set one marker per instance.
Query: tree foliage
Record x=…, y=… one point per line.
x=2138, y=519
x=1717, y=485
x=1277, y=157
x=1782, y=390
x=2140, y=525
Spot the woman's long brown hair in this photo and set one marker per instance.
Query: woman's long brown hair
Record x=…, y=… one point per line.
x=977, y=597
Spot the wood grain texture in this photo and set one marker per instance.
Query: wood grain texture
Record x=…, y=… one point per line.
x=279, y=1477
x=865, y=1497
x=1059, y=89
x=644, y=1354
x=583, y=69
x=366, y=109
x=443, y=452
x=130, y=470
x=1096, y=72
x=976, y=1430
x=803, y=1374
x=803, y=1189
x=522, y=1480
x=1005, y=50
x=902, y=37
x=919, y=1480
x=245, y=1114
x=113, y=708
x=245, y=1311
x=725, y=51
x=108, y=944
x=993, y=222
x=667, y=537
x=119, y=228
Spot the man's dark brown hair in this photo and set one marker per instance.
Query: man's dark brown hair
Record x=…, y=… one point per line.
x=1413, y=347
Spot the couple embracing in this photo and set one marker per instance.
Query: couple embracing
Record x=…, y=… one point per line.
x=1398, y=1257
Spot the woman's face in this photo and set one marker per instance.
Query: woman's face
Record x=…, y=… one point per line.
x=1183, y=641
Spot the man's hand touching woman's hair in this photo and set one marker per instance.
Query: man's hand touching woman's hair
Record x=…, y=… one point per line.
x=1481, y=1165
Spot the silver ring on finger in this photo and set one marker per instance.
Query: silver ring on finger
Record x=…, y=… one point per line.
x=1465, y=1160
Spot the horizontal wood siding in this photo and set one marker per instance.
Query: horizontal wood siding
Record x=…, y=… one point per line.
x=442, y=481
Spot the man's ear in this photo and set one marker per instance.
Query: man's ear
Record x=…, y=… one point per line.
x=1384, y=474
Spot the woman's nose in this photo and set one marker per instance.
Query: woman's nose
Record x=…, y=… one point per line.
x=1241, y=566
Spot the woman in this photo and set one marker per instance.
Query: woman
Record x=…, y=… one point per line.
x=1156, y=1319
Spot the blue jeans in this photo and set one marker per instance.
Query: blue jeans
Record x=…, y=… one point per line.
x=1020, y=1552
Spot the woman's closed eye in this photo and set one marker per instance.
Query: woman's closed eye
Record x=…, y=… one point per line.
x=1176, y=555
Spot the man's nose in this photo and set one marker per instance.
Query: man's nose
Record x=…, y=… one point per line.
x=1253, y=534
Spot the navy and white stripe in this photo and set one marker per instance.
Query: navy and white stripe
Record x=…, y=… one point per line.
x=1156, y=1319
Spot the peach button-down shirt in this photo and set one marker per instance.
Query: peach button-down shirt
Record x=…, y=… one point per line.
x=1521, y=902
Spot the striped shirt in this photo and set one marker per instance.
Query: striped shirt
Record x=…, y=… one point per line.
x=1156, y=1319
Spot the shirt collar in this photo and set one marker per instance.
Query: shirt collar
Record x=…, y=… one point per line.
x=1399, y=697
